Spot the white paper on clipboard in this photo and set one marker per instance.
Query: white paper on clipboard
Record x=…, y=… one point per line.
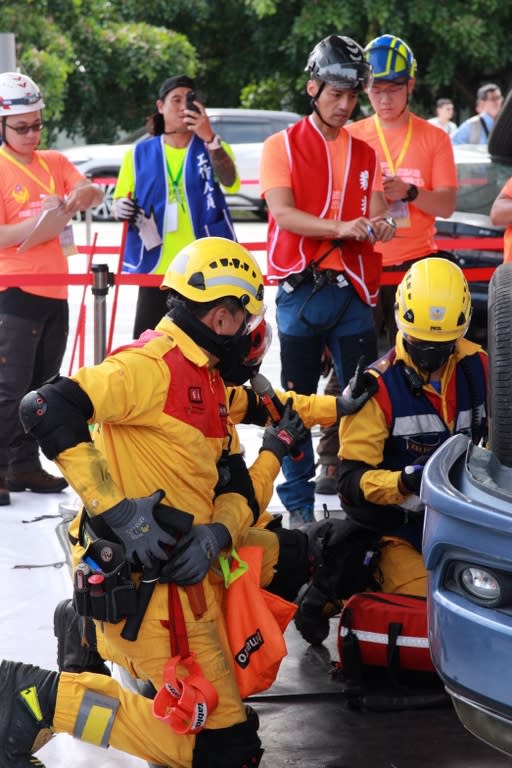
x=50, y=224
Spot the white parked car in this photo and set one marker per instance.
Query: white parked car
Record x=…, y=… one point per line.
x=244, y=129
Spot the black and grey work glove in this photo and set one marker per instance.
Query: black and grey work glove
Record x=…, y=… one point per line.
x=410, y=476
x=195, y=552
x=126, y=209
x=360, y=388
x=133, y=521
x=282, y=438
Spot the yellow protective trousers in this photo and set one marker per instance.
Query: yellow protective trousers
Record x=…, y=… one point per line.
x=401, y=568
x=134, y=729
x=146, y=657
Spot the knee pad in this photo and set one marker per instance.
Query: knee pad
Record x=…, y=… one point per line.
x=238, y=746
x=56, y=414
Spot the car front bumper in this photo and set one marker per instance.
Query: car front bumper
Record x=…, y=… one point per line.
x=468, y=521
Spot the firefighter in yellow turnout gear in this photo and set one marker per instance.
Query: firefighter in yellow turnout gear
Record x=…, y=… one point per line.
x=164, y=423
x=162, y=411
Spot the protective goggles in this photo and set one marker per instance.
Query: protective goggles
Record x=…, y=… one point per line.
x=350, y=76
x=251, y=322
x=260, y=340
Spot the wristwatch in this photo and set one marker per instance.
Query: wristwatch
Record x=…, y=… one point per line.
x=214, y=143
x=412, y=194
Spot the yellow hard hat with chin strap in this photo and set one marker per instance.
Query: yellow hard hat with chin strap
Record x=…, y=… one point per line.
x=433, y=301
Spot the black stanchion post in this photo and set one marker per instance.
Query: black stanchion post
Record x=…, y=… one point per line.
x=102, y=279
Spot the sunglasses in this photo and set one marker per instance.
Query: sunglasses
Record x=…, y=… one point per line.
x=23, y=130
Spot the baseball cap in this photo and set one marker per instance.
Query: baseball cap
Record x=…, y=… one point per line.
x=178, y=81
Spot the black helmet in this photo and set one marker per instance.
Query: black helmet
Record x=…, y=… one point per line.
x=340, y=61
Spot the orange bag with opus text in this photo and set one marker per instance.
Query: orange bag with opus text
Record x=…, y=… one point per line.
x=255, y=620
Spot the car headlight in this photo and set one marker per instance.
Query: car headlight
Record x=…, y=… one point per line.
x=485, y=586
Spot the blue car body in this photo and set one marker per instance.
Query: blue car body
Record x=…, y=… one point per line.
x=468, y=523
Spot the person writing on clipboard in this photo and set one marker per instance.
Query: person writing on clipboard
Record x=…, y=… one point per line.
x=33, y=318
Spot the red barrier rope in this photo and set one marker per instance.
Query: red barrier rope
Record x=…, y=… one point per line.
x=388, y=278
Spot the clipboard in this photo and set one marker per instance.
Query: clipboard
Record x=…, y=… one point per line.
x=49, y=225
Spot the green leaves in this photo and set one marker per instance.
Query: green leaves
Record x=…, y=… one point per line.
x=100, y=63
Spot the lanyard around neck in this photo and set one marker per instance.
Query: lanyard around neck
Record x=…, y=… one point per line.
x=49, y=188
x=175, y=182
x=393, y=167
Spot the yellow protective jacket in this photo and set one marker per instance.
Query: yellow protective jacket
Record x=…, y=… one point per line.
x=363, y=435
x=163, y=422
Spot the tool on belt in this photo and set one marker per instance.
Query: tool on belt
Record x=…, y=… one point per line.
x=103, y=586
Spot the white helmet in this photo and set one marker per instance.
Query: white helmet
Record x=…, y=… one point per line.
x=18, y=95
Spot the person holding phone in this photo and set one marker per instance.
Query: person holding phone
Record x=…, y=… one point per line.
x=169, y=190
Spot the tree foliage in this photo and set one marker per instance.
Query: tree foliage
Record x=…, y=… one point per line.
x=100, y=62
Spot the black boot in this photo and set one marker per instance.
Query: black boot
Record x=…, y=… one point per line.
x=342, y=557
x=27, y=707
x=313, y=613
x=237, y=746
x=76, y=636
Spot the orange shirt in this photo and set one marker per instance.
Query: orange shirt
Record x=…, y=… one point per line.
x=275, y=172
x=507, y=235
x=428, y=163
x=49, y=172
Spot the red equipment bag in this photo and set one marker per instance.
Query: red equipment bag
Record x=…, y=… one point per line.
x=377, y=629
x=384, y=654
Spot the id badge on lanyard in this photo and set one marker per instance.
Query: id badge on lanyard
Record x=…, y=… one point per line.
x=398, y=209
x=171, y=216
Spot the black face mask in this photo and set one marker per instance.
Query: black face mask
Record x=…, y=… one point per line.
x=232, y=351
x=428, y=356
x=232, y=366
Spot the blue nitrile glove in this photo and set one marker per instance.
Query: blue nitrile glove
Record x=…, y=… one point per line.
x=132, y=520
x=410, y=476
x=282, y=438
x=195, y=552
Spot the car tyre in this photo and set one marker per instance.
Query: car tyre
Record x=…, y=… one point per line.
x=500, y=140
x=500, y=364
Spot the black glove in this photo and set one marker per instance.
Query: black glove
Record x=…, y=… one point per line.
x=194, y=553
x=410, y=476
x=282, y=438
x=132, y=520
x=360, y=388
x=126, y=209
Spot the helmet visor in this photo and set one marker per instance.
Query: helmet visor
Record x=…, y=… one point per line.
x=356, y=76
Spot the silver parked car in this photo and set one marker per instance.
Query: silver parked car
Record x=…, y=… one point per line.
x=244, y=129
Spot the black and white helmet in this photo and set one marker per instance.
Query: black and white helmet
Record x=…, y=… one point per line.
x=340, y=61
